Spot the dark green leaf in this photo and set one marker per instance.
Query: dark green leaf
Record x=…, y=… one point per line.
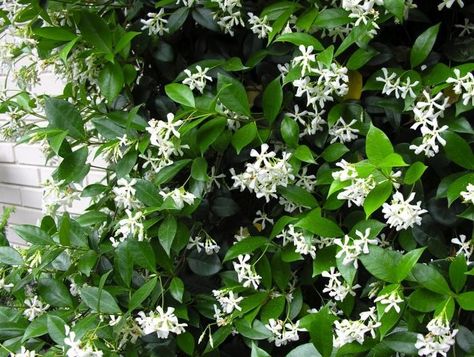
x=244, y=136
x=33, y=235
x=10, y=256
x=54, y=292
x=272, y=100
x=246, y=245
x=111, y=81
x=423, y=45
x=232, y=94
x=99, y=300
x=180, y=93
x=63, y=115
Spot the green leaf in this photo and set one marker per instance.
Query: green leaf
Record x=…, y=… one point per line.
x=407, y=262
x=111, y=81
x=325, y=57
x=126, y=164
x=125, y=40
x=258, y=352
x=424, y=300
x=99, y=300
x=233, y=95
x=54, y=292
x=181, y=94
x=414, y=172
x=168, y=172
x=395, y=7
x=147, y=193
x=177, y=289
x=423, y=45
x=55, y=33
x=199, y=169
x=245, y=246
x=431, y=279
x=244, y=136
x=272, y=100
x=56, y=329
x=457, y=273
x=124, y=261
x=73, y=168
x=304, y=154
x=325, y=259
x=10, y=256
x=377, y=197
x=304, y=350
x=300, y=38
x=36, y=328
x=141, y=294
x=314, y=223
x=255, y=331
x=377, y=145
x=382, y=263
x=298, y=195
x=167, y=232
x=290, y=131
x=63, y=54
x=458, y=150
x=360, y=57
x=33, y=235
x=203, y=264
x=177, y=19
x=466, y=301
x=95, y=31
x=459, y=185
x=185, y=341
x=330, y=18
x=63, y=115
x=65, y=230
x=321, y=331
x=209, y=132
x=334, y=152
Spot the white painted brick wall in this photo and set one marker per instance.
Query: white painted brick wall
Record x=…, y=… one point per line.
x=23, y=169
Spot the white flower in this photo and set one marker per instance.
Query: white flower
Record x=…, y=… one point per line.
x=265, y=174
x=195, y=242
x=439, y=339
x=337, y=290
x=468, y=195
x=466, y=29
x=125, y=194
x=465, y=247
x=259, y=26
x=348, y=171
x=243, y=233
x=132, y=226
x=261, y=218
x=23, y=353
x=229, y=21
x=156, y=23
x=364, y=240
x=197, y=80
x=305, y=60
x=229, y=302
x=160, y=322
x=357, y=191
x=210, y=246
x=349, y=250
x=246, y=273
x=7, y=287
x=35, y=308
x=400, y=214
x=393, y=83
x=282, y=332
x=75, y=349
x=348, y=331
x=179, y=197
x=449, y=3
x=343, y=132
x=392, y=300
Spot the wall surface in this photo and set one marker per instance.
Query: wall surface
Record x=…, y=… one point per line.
x=23, y=167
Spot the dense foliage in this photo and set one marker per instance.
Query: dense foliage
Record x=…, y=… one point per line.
x=285, y=178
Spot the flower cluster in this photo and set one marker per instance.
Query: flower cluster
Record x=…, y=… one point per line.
x=160, y=322
x=265, y=174
x=439, y=339
x=283, y=332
